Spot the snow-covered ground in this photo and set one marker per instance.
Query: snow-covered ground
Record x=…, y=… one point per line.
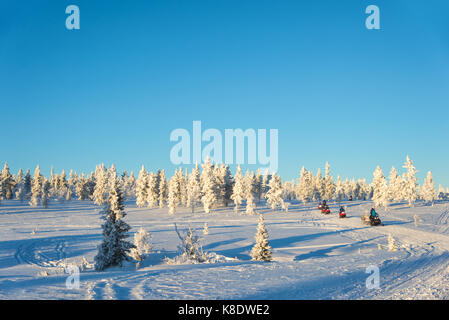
x=314, y=256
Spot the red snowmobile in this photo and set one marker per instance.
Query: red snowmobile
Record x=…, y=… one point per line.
x=325, y=209
x=322, y=205
x=342, y=213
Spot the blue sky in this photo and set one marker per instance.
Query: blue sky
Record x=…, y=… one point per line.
x=114, y=90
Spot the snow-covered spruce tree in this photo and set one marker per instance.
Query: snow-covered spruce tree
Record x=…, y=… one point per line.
x=163, y=189
x=265, y=180
x=81, y=188
x=362, y=189
x=410, y=187
x=8, y=182
x=392, y=246
x=259, y=180
x=305, y=186
x=114, y=249
x=36, y=187
x=130, y=186
x=329, y=186
x=72, y=181
x=45, y=198
x=194, y=189
x=274, y=193
x=142, y=187
x=182, y=184
x=261, y=250
x=238, y=190
x=62, y=185
x=101, y=182
x=209, y=187
x=339, y=191
x=380, y=189
x=394, y=188
x=27, y=185
x=173, y=195
x=142, y=243
x=19, y=190
x=251, y=193
x=152, y=192
x=428, y=189
x=223, y=178
x=318, y=192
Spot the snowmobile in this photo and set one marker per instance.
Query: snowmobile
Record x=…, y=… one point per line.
x=342, y=213
x=322, y=204
x=372, y=220
x=325, y=209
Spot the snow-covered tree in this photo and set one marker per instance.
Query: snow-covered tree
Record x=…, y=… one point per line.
x=318, y=192
x=380, y=189
x=274, y=193
x=261, y=250
x=339, y=190
x=36, y=187
x=142, y=243
x=19, y=190
x=223, y=178
x=114, y=249
x=251, y=193
x=206, y=229
x=410, y=187
x=329, y=186
x=194, y=189
x=428, y=189
x=45, y=198
x=305, y=186
x=209, y=186
x=81, y=188
x=238, y=190
x=173, y=195
x=163, y=189
x=394, y=188
x=152, y=191
x=27, y=181
x=8, y=182
x=142, y=187
x=392, y=246
x=101, y=182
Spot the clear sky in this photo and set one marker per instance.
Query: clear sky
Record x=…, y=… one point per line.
x=114, y=90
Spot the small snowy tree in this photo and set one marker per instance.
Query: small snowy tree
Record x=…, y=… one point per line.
x=339, y=190
x=142, y=187
x=152, y=191
x=274, y=193
x=329, y=186
x=194, y=189
x=36, y=187
x=114, y=249
x=101, y=181
x=391, y=243
x=45, y=198
x=238, y=190
x=209, y=186
x=190, y=247
x=261, y=250
x=410, y=186
x=428, y=189
x=173, y=195
x=8, y=182
x=380, y=189
x=142, y=243
x=206, y=229
x=163, y=189
x=251, y=193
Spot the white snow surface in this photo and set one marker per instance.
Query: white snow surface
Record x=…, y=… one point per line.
x=315, y=256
